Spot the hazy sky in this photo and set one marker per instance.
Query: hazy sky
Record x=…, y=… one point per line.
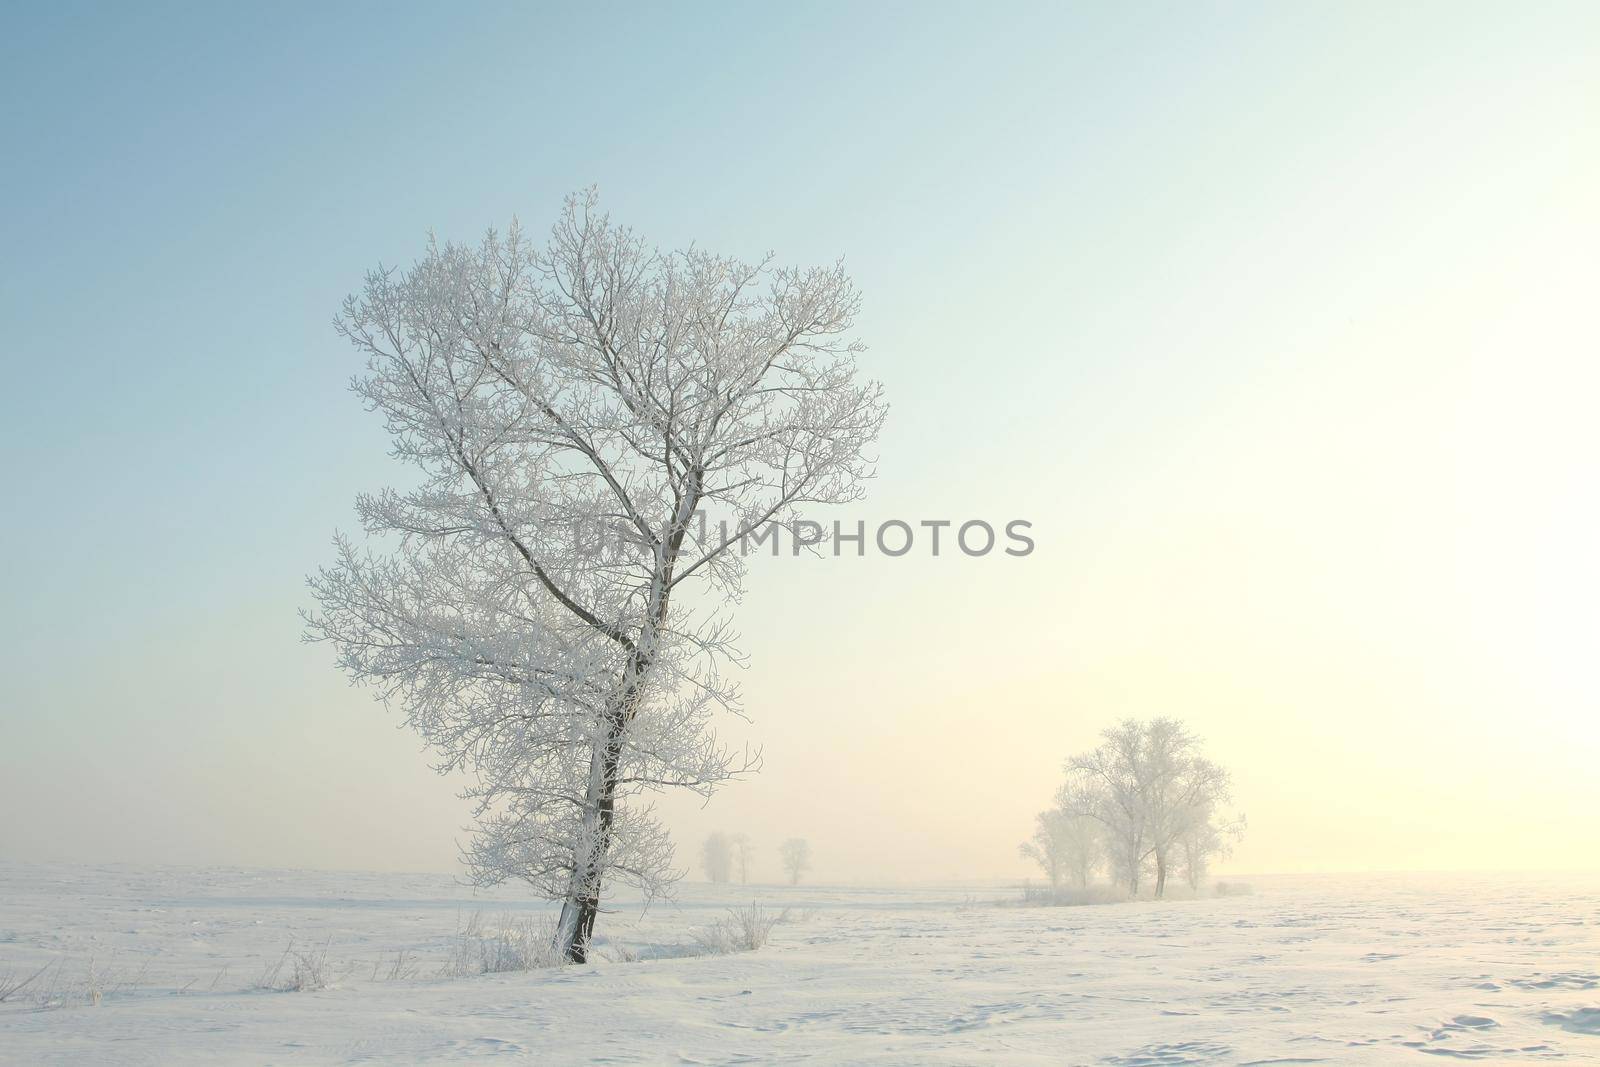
x=1277, y=321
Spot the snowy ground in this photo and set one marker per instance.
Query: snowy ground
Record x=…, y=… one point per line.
x=1502, y=969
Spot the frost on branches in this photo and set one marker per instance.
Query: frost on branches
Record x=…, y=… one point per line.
x=1156, y=799
x=544, y=394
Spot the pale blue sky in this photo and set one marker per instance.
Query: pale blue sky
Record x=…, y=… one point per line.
x=1228, y=299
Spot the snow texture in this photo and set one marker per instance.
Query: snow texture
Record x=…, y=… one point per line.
x=1370, y=969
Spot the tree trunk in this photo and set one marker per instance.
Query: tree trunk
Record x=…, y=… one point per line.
x=1161, y=875
x=578, y=912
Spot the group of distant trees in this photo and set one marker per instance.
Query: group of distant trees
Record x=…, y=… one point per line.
x=1146, y=803
x=723, y=854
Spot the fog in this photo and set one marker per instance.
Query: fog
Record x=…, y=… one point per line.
x=1304, y=438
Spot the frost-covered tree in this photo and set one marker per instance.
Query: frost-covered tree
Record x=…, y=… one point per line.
x=1108, y=785
x=597, y=426
x=1148, y=787
x=743, y=850
x=1064, y=845
x=796, y=856
x=1207, y=835
x=716, y=857
x=1041, y=848
x=1183, y=788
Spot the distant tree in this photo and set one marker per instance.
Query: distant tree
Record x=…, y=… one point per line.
x=1108, y=785
x=1150, y=790
x=1064, y=845
x=716, y=856
x=1184, y=789
x=796, y=854
x=1207, y=836
x=1041, y=849
x=742, y=851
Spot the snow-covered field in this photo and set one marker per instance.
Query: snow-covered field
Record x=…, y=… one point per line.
x=1379, y=969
